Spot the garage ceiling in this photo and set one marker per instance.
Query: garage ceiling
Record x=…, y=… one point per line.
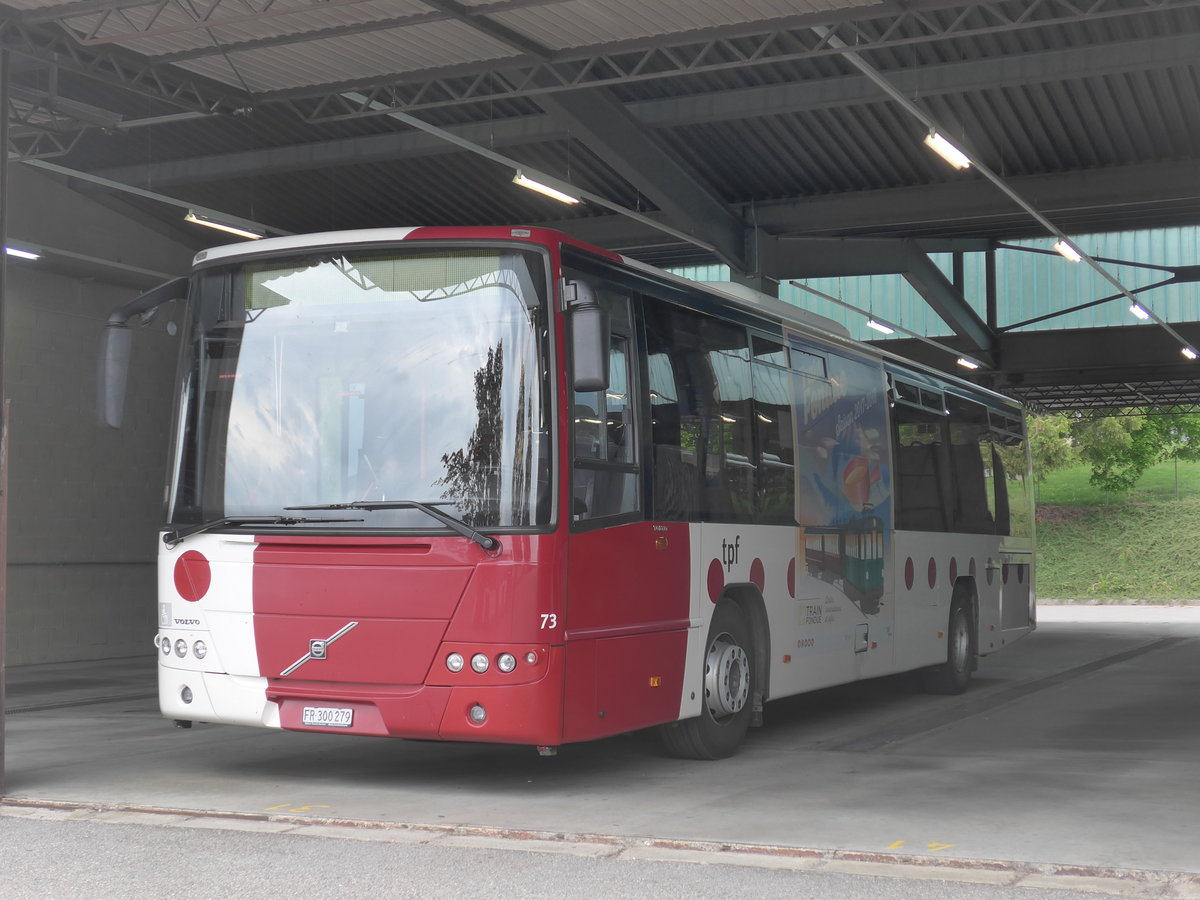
x=727, y=121
x=276, y=110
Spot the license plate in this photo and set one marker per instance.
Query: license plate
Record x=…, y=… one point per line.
x=328, y=716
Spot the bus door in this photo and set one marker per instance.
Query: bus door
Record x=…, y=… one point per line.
x=626, y=607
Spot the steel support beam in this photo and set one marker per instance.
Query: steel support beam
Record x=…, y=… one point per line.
x=602, y=125
x=504, y=133
x=120, y=68
x=1085, y=368
x=719, y=50
x=676, y=112
x=1079, y=201
x=798, y=257
x=750, y=44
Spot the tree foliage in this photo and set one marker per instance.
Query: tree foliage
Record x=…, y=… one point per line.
x=1117, y=448
x=1121, y=448
x=1180, y=436
x=472, y=478
x=1051, y=445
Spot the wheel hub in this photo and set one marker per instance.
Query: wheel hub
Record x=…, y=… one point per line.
x=726, y=678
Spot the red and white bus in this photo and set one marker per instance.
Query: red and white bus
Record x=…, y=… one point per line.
x=492, y=484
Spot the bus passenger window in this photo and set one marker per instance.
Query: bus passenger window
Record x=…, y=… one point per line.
x=922, y=472
x=775, y=487
x=1010, y=471
x=972, y=506
x=702, y=421
x=673, y=440
x=729, y=464
x=1000, y=486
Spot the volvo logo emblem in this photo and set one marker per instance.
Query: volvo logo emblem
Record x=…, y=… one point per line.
x=318, y=648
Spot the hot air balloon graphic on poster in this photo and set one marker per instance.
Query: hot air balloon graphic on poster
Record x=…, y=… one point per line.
x=856, y=481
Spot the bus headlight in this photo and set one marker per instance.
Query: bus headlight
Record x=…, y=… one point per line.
x=455, y=662
x=506, y=662
x=200, y=649
x=166, y=646
x=480, y=663
x=181, y=648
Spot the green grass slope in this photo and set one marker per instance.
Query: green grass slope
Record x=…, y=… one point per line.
x=1144, y=545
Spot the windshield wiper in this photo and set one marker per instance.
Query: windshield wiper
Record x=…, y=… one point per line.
x=428, y=507
x=173, y=538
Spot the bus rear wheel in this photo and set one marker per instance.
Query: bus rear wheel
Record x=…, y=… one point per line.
x=728, y=688
x=953, y=676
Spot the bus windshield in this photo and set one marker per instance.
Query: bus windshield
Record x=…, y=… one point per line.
x=353, y=375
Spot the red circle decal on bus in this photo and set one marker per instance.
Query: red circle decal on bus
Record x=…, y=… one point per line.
x=757, y=576
x=716, y=580
x=909, y=573
x=932, y=572
x=792, y=578
x=193, y=575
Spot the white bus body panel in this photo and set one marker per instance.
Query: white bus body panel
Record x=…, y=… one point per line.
x=226, y=685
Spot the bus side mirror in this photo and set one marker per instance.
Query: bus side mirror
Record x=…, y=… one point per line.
x=589, y=338
x=114, y=372
x=117, y=345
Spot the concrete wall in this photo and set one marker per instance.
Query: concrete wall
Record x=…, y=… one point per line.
x=85, y=501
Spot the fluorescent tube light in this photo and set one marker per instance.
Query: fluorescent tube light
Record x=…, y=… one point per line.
x=1189, y=352
x=947, y=151
x=1137, y=310
x=1067, y=252
x=243, y=229
x=880, y=327
x=22, y=254
x=967, y=363
x=526, y=182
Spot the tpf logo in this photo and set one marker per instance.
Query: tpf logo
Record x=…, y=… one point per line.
x=730, y=551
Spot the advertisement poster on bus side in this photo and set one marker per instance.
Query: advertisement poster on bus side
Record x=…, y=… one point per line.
x=843, y=489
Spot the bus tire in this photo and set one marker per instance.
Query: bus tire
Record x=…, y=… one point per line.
x=729, y=690
x=953, y=676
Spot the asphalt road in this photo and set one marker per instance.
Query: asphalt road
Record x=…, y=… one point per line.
x=1069, y=769
x=49, y=857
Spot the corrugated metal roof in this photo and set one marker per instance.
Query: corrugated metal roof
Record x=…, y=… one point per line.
x=352, y=58
x=583, y=23
x=1001, y=85
x=173, y=31
x=1091, y=112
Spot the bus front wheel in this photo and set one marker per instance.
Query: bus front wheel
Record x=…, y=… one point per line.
x=953, y=676
x=728, y=688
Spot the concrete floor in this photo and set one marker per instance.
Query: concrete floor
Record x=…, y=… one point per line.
x=1077, y=746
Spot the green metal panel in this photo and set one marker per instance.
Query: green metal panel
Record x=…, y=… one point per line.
x=1027, y=285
